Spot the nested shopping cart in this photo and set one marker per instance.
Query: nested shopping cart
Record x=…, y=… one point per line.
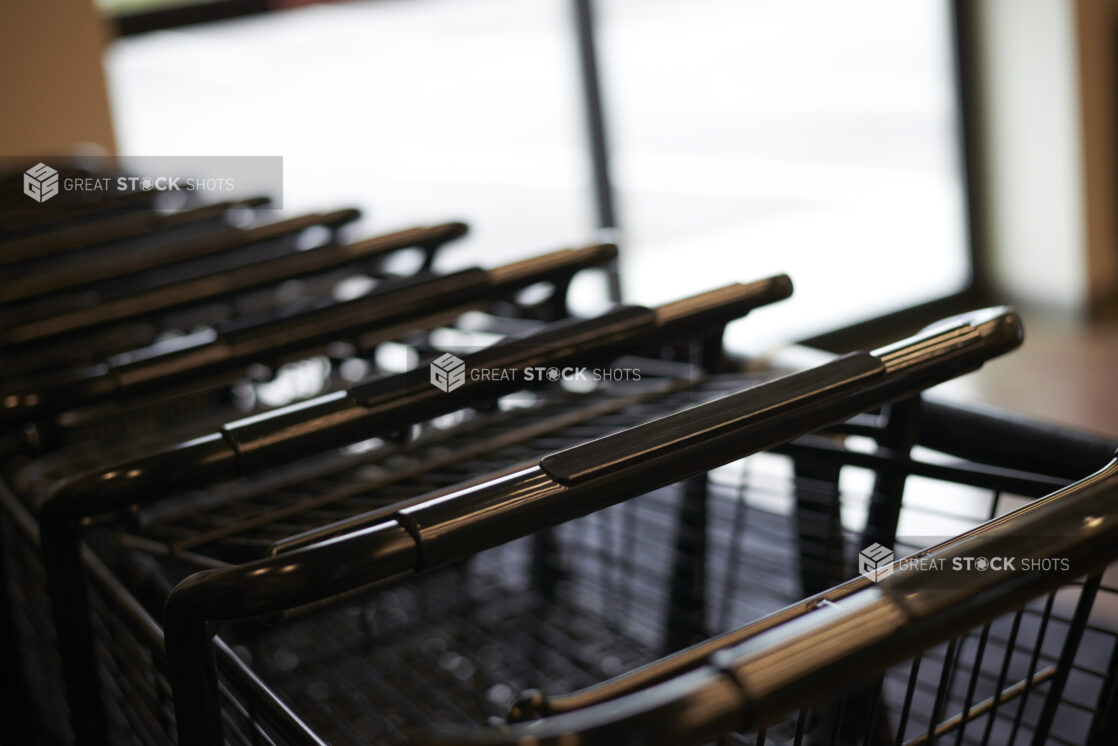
x=127, y=401
x=215, y=355
x=485, y=612
x=22, y=219
x=267, y=442
x=646, y=561
x=1003, y=634
x=568, y=607
x=126, y=252
x=73, y=307
x=392, y=311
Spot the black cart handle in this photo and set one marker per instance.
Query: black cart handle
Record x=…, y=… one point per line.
x=455, y=522
x=195, y=357
x=665, y=450
x=452, y=524
x=85, y=273
x=113, y=228
x=87, y=212
x=53, y=394
x=807, y=653
x=208, y=288
x=389, y=402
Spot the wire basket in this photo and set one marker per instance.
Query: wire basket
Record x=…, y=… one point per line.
x=71, y=406
x=565, y=609
x=617, y=589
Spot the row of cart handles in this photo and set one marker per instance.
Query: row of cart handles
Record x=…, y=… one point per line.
x=236, y=345
x=438, y=529
x=242, y=279
x=380, y=405
x=692, y=696
x=120, y=227
x=452, y=524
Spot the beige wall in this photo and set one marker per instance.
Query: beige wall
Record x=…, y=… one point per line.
x=1097, y=29
x=1047, y=82
x=53, y=83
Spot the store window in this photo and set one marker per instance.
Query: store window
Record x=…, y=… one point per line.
x=748, y=136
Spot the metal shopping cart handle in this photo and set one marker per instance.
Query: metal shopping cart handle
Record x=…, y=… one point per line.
x=209, y=288
x=113, y=228
x=807, y=651
x=385, y=403
x=702, y=434
x=366, y=410
x=56, y=393
x=227, y=351
x=720, y=431
x=87, y=273
x=451, y=524
x=87, y=211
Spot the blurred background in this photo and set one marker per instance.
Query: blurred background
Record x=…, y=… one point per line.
x=899, y=160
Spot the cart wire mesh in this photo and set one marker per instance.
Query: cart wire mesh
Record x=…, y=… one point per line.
x=619, y=588
x=176, y=259
x=593, y=598
x=510, y=632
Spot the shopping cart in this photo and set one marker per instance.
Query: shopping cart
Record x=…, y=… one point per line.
x=53, y=264
x=602, y=595
x=390, y=309
x=570, y=625
x=40, y=415
x=75, y=308
x=379, y=407
x=323, y=266
x=22, y=220
x=934, y=652
x=155, y=389
x=125, y=219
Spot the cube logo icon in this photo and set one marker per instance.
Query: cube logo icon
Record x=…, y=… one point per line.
x=875, y=562
x=448, y=373
x=40, y=182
